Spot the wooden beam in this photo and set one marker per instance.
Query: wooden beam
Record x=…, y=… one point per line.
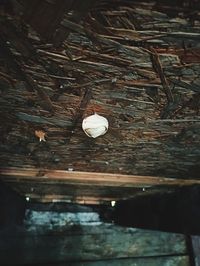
x=196, y=248
x=155, y=261
x=43, y=244
x=84, y=187
x=81, y=178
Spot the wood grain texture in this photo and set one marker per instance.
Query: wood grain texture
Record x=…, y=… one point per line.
x=157, y=261
x=85, y=187
x=166, y=261
x=87, y=243
x=196, y=248
x=109, y=55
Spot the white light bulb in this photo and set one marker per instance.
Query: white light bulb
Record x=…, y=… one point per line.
x=113, y=202
x=27, y=199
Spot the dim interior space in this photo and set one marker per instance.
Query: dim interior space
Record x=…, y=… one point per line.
x=100, y=132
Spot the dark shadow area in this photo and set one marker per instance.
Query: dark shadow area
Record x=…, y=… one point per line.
x=175, y=211
x=12, y=208
x=178, y=211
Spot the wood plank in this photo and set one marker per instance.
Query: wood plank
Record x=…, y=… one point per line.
x=196, y=249
x=157, y=261
x=62, y=191
x=77, y=243
x=84, y=187
x=75, y=177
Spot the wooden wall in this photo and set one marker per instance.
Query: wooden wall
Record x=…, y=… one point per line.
x=63, y=238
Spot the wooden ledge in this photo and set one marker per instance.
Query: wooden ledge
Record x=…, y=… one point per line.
x=82, y=187
x=74, y=177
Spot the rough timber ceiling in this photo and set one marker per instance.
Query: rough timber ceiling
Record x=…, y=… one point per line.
x=136, y=63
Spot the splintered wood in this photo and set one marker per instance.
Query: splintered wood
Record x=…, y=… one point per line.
x=135, y=63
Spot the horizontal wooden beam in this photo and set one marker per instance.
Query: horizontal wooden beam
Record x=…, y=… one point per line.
x=155, y=261
x=83, y=187
x=102, y=179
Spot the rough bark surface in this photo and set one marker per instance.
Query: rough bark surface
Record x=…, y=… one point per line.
x=136, y=63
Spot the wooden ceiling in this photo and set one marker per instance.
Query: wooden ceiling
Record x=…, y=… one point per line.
x=136, y=63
